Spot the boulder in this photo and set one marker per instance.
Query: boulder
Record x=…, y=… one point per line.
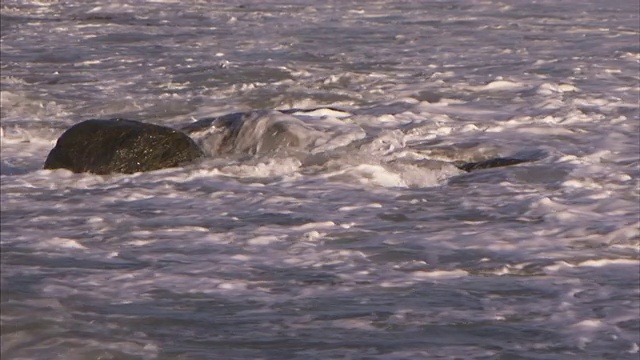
x=121, y=146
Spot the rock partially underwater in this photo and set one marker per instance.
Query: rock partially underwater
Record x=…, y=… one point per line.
x=121, y=146
x=491, y=163
x=251, y=133
x=125, y=146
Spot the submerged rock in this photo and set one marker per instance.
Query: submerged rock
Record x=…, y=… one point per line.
x=490, y=163
x=121, y=146
x=253, y=133
x=317, y=140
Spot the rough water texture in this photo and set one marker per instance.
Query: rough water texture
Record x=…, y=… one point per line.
x=345, y=232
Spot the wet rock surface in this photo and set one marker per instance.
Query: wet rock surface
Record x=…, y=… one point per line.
x=121, y=146
x=490, y=163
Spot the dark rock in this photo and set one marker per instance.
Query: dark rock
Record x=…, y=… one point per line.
x=491, y=163
x=121, y=146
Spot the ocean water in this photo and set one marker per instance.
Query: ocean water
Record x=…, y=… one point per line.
x=342, y=230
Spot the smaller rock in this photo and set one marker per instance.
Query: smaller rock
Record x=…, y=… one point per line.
x=491, y=163
x=121, y=146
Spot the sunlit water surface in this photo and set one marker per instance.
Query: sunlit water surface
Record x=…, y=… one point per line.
x=367, y=243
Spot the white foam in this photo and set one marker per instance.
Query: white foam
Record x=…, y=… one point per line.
x=263, y=240
x=440, y=274
x=325, y=112
x=359, y=207
x=57, y=242
x=607, y=262
x=501, y=85
x=315, y=225
x=269, y=168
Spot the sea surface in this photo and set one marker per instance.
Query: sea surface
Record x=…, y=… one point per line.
x=355, y=237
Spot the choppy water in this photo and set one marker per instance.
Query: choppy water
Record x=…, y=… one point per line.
x=360, y=240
